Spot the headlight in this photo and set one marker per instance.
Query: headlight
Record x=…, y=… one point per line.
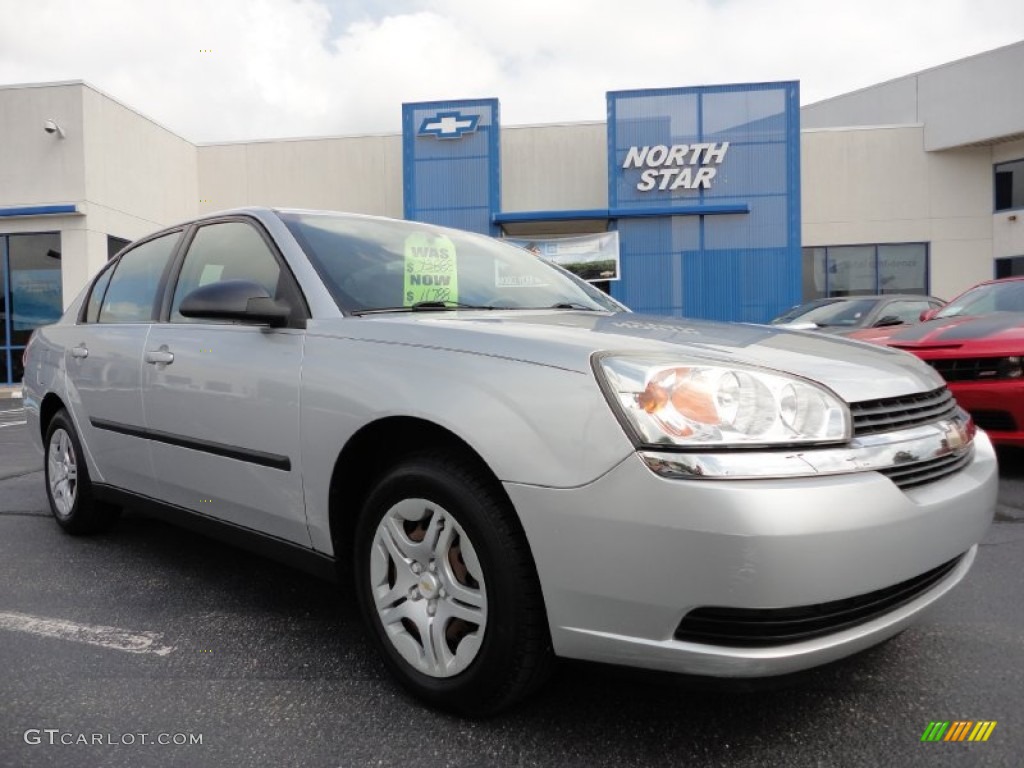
x=1010, y=368
x=710, y=404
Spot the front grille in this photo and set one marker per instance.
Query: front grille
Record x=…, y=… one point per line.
x=765, y=627
x=995, y=421
x=968, y=368
x=892, y=413
x=921, y=472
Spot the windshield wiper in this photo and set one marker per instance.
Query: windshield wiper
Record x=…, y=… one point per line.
x=436, y=306
x=425, y=306
x=570, y=305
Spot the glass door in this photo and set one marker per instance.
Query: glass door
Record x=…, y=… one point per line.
x=32, y=294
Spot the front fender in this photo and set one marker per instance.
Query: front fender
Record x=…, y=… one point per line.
x=532, y=424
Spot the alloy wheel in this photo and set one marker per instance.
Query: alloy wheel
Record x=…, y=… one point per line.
x=428, y=587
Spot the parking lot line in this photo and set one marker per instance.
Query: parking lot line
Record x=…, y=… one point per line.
x=92, y=634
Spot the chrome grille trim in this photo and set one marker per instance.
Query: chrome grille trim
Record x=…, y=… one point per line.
x=923, y=472
x=895, y=413
x=908, y=457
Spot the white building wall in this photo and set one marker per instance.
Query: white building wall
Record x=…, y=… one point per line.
x=39, y=168
x=139, y=176
x=978, y=99
x=362, y=174
x=554, y=167
x=125, y=174
x=890, y=103
x=879, y=185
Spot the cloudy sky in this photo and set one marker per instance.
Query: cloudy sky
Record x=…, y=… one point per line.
x=225, y=70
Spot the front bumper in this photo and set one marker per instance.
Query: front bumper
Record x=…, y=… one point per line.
x=997, y=407
x=623, y=559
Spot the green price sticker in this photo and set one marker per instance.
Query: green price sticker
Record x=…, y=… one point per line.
x=431, y=270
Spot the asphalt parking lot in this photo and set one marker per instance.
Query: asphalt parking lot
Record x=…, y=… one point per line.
x=150, y=634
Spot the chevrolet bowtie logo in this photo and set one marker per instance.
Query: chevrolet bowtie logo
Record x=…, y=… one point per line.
x=448, y=125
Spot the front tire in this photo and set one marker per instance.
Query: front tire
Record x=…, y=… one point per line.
x=67, y=482
x=448, y=588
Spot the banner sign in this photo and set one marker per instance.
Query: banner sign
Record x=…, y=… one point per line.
x=594, y=258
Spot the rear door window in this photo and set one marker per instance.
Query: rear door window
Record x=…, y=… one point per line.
x=99, y=287
x=131, y=296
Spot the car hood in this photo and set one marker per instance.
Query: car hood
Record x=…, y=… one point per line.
x=951, y=332
x=567, y=339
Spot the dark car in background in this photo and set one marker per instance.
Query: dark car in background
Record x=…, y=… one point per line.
x=976, y=342
x=842, y=314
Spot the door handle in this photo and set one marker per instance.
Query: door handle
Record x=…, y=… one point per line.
x=159, y=356
x=81, y=351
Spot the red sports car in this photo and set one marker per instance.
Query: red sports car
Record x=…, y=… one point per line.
x=976, y=342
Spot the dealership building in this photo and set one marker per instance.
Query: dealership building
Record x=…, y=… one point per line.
x=729, y=202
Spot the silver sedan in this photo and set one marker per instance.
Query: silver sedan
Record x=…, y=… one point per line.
x=506, y=466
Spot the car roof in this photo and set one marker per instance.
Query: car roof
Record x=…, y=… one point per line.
x=1010, y=279
x=867, y=296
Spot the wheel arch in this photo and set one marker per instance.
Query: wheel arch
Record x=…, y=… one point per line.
x=48, y=408
x=374, y=449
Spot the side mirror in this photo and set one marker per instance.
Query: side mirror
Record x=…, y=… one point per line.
x=928, y=314
x=242, y=300
x=888, y=320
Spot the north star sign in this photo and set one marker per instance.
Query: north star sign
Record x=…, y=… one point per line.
x=448, y=125
x=680, y=166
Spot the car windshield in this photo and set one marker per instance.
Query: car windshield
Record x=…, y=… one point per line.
x=794, y=312
x=373, y=265
x=983, y=299
x=839, y=313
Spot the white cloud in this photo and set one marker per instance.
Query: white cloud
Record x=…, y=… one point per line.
x=308, y=67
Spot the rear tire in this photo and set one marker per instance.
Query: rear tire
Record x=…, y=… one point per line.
x=67, y=482
x=448, y=588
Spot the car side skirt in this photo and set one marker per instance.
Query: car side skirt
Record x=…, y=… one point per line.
x=286, y=552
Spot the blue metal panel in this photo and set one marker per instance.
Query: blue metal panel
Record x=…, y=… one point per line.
x=37, y=210
x=718, y=208
x=451, y=163
x=651, y=253
x=742, y=264
x=683, y=209
x=568, y=215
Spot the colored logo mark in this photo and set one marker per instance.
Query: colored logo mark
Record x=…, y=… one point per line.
x=958, y=730
x=448, y=125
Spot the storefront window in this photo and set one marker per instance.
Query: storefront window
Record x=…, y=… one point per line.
x=31, y=293
x=851, y=271
x=903, y=268
x=1010, y=267
x=814, y=280
x=861, y=270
